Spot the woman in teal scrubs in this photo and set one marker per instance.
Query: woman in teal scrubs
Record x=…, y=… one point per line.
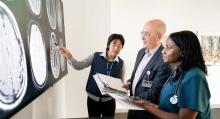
x=186, y=93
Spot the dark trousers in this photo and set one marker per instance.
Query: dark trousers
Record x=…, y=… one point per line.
x=140, y=114
x=101, y=109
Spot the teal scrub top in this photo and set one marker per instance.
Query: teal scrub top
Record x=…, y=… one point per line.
x=193, y=93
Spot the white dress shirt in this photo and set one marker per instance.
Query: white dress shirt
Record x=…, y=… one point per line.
x=143, y=63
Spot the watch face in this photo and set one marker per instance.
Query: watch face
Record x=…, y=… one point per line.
x=13, y=71
x=34, y=6
x=51, y=12
x=59, y=16
x=38, y=55
x=54, y=56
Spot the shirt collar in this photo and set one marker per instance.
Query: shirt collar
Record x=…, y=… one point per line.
x=152, y=51
x=104, y=55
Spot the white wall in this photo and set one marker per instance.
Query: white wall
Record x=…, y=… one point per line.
x=87, y=29
x=49, y=105
x=88, y=23
x=129, y=16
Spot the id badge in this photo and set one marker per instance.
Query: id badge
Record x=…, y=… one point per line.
x=146, y=84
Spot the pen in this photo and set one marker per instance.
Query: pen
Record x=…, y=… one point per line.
x=56, y=45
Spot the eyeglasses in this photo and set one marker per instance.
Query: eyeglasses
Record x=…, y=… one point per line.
x=145, y=33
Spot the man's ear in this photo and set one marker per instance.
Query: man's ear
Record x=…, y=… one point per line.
x=159, y=35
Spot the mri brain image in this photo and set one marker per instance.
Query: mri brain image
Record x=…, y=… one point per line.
x=51, y=12
x=59, y=16
x=54, y=56
x=62, y=60
x=13, y=71
x=35, y=6
x=38, y=56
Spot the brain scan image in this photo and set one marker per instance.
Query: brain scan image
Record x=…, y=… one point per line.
x=38, y=56
x=59, y=16
x=13, y=71
x=35, y=6
x=54, y=56
x=51, y=12
x=62, y=60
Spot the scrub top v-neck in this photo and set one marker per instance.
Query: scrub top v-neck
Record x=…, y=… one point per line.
x=193, y=93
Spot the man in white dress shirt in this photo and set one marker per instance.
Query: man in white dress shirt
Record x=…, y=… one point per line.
x=150, y=72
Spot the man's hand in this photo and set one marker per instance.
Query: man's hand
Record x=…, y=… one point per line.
x=126, y=85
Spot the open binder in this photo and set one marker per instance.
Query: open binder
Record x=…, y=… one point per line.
x=113, y=87
x=111, y=84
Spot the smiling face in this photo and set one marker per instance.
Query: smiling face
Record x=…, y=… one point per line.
x=115, y=47
x=172, y=53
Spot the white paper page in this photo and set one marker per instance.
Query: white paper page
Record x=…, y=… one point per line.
x=125, y=102
x=112, y=82
x=100, y=84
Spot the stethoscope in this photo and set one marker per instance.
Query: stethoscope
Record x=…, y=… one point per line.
x=174, y=98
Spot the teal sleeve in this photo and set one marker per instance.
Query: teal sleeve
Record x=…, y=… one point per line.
x=194, y=91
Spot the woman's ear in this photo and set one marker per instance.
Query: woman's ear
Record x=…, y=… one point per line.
x=181, y=55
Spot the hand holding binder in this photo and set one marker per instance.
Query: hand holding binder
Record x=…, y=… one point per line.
x=109, y=84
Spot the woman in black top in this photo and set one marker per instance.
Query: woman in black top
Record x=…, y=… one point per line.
x=108, y=63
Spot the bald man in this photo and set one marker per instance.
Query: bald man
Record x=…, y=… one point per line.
x=149, y=73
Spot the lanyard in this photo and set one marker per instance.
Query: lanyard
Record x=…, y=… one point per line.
x=109, y=69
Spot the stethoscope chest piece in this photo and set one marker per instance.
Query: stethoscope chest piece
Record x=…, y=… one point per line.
x=173, y=99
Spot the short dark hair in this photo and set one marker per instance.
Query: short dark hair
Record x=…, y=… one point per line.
x=189, y=44
x=113, y=37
